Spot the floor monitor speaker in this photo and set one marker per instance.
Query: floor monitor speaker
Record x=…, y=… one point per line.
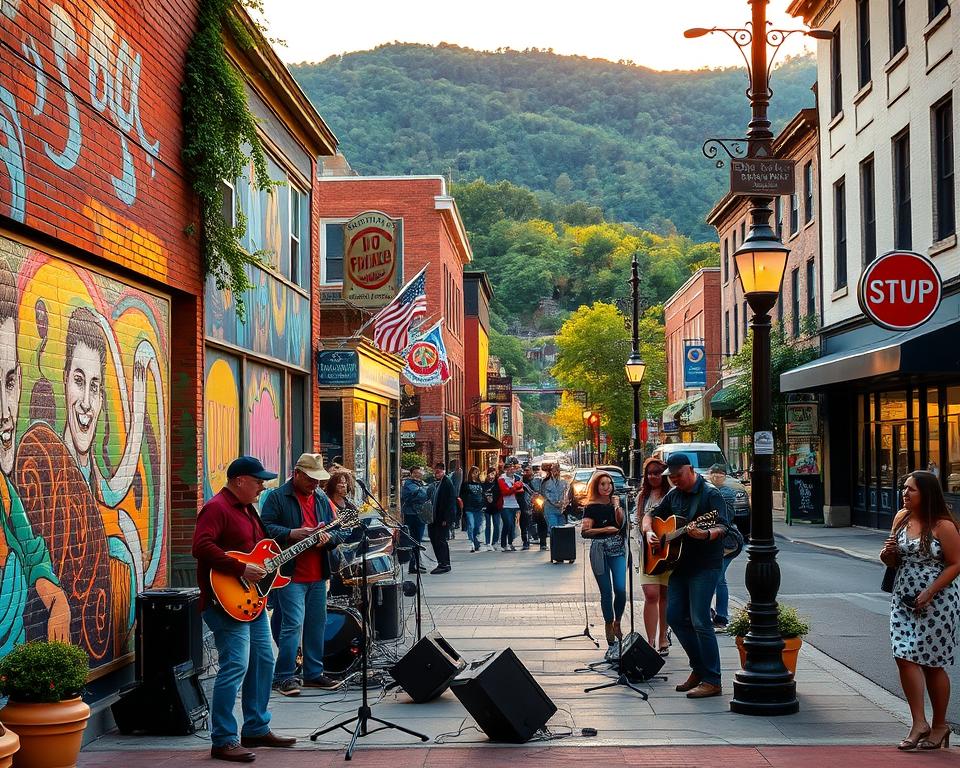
x=425, y=671
x=640, y=660
x=502, y=696
x=172, y=704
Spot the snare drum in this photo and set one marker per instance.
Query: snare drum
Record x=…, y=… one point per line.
x=342, y=641
x=379, y=568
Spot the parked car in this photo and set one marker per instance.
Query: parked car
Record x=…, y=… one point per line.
x=581, y=477
x=703, y=456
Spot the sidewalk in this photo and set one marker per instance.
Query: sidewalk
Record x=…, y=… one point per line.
x=861, y=543
x=494, y=600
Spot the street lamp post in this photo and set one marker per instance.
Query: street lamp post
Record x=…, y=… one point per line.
x=635, y=368
x=763, y=686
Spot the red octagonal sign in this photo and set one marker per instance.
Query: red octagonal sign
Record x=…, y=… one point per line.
x=900, y=290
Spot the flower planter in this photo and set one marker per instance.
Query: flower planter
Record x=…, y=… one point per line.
x=9, y=743
x=50, y=734
x=791, y=647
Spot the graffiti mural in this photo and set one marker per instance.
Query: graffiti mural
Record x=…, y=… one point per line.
x=221, y=434
x=264, y=412
x=84, y=361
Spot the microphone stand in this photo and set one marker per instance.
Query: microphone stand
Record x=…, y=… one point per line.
x=417, y=549
x=364, y=714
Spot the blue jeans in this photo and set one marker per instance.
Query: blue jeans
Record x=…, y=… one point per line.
x=507, y=519
x=723, y=592
x=613, y=587
x=688, y=612
x=245, y=656
x=553, y=519
x=474, y=524
x=416, y=527
x=304, y=610
x=493, y=521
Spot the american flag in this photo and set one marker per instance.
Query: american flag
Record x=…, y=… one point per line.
x=391, y=331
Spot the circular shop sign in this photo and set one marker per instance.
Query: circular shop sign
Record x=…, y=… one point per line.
x=423, y=359
x=371, y=258
x=900, y=290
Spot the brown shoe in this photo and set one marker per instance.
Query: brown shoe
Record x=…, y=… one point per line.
x=234, y=753
x=691, y=682
x=269, y=739
x=705, y=691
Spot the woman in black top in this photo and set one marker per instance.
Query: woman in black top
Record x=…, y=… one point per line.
x=491, y=495
x=471, y=494
x=602, y=523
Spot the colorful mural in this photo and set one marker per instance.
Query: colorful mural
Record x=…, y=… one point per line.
x=84, y=369
x=264, y=412
x=221, y=419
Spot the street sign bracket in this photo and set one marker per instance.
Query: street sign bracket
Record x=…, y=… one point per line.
x=736, y=149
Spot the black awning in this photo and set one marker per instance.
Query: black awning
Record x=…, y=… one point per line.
x=930, y=350
x=481, y=441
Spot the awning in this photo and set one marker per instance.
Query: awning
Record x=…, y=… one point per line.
x=481, y=441
x=694, y=413
x=721, y=404
x=931, y=349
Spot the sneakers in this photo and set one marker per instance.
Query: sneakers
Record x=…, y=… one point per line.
x=513, y=548
x=526, y=546
x=289, y=687
x=440, y=569
x=543, y=547
x=323, y=681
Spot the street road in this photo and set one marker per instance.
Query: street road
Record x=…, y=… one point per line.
x=849, y=616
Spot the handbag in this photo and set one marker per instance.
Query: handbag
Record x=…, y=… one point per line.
x=889, y=575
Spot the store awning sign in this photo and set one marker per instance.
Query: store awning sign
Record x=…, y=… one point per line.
x=338, y=368
x=371, y=255
x=900, y=290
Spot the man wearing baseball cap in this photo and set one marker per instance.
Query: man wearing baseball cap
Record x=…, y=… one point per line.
x=291, y=513
x=229, y=522
x=697, y=573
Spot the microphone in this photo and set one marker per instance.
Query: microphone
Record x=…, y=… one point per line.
x=363, y=487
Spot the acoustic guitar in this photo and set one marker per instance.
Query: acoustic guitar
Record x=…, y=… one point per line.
x=670, y=534
x=243, y=600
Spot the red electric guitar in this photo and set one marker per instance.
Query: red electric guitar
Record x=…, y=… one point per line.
x=245, y=601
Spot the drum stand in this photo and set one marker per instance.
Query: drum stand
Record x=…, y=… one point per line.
x=364, y=714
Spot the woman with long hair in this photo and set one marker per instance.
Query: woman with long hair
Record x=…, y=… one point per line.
x=603, y=524
x=471, y=494
x=653, y=488
x=924, y=547
x=339, y=487
x=491, y=495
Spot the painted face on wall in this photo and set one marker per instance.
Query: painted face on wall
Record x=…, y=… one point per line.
x=84, y=392
x=10, y=385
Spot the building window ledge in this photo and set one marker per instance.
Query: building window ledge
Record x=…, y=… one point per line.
x=896, y=60
x=837, y=119
x=810, y=223
x=863, y=92
x=838, y=294
x=942, y=245
x=936, y=22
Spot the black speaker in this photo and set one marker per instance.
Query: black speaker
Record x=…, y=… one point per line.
x=387, y=610
x=172, y=704
x=169, y=631
x=640, y=660
x=502, y=696
x=427, y=668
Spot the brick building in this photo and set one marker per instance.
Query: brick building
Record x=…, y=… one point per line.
x=432, y=234
x=691, y=316
x=482, y=447
x=100, y=322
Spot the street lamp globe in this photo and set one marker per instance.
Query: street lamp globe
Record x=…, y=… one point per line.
x=761, y=261
x=587, y=414
x=635, y=368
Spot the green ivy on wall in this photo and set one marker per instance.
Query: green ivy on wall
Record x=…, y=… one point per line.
x=217, y=125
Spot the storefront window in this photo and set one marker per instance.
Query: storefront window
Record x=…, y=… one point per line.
x=933, y=431
x=373, y=449
x=360, y=439
x=952, y=470
x=862, y=444
x=331, y=430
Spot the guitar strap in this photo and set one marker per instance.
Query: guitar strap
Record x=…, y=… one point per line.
x=693, y=511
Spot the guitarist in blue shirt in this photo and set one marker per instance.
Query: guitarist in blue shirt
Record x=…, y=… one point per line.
x=696, y=575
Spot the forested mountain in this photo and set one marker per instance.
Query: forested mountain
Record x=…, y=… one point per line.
x=614, y=135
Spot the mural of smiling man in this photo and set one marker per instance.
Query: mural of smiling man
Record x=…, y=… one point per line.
x=23, y=553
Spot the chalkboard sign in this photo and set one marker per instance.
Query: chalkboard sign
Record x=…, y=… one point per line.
x=806, y=498
x=338, y=368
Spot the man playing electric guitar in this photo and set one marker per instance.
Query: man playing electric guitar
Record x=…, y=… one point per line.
x=229, y=522
x=695, y=577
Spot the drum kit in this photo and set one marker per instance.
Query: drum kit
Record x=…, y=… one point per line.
x=343, y=635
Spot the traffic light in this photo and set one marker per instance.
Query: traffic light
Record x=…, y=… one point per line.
x=594, y=420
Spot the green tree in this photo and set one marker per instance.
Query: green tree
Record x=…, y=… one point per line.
x=511, y=354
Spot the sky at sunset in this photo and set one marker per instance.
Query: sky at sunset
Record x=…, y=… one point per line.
x=649, y=32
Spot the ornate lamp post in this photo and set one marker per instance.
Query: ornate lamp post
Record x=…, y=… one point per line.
x=763, y=687
x=635, y=368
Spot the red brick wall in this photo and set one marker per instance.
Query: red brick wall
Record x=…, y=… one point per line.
x=428, y=238
x=693, y=312
x=94, y=174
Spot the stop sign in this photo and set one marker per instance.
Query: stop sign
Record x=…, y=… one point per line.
x=900, y=290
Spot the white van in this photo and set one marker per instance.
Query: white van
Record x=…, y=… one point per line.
x=703, y=456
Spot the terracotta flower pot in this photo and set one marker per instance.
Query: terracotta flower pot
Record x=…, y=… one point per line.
x=9, y=743
x=791, y=647
x=50, y=734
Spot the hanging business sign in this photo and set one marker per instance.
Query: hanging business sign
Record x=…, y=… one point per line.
x=694, y=365
x=900, y=290
x=499, y=389
x=338, y=368
x=371, y=258
x=762, y=176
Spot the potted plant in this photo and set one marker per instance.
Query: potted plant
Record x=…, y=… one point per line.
x=43, y=681
x=792, y=628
